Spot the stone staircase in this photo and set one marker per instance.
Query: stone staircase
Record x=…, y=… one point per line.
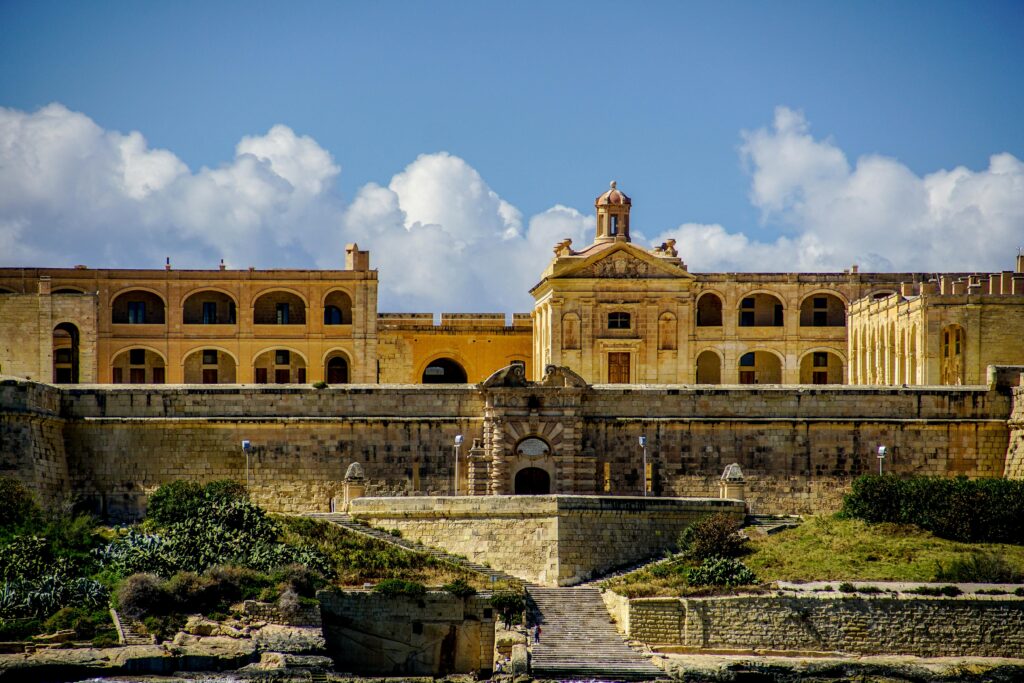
x=579, y=641
x=771, y=524
x=130, y=631
x=350, y=524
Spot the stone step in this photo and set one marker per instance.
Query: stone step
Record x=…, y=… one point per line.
x=578, y=639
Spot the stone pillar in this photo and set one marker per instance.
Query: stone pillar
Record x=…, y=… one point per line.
x=479, y=474
x=355, y=484
x=732, y=485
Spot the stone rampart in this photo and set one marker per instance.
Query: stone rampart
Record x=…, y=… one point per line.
x=921, y=626
x=553, y=540
x=434, y=635
x=799, y=447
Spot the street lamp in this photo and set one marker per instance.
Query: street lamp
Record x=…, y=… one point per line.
x=643, y=475
x=882, y=450
x=458, y=442
x=247, y=448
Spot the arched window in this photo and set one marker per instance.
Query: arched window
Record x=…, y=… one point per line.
x=444, y=371
x=337, y=370
x=618, y=320
x=822, y=310
x=65, y=354
x=709, y=310
x=761, y=310
x=821, y=367
x=210, y=366
x=137, y=307
x=279, y=308
x=208, y=307
x=760, y=367
x=279, y=366
x=709, y=368
x=338, y=308
x=138, y=366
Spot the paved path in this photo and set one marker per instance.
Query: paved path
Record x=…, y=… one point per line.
x=579, y=640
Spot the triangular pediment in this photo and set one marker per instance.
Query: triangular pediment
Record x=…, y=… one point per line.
x=621, y=260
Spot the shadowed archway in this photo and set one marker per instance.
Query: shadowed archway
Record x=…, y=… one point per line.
x=532, y=481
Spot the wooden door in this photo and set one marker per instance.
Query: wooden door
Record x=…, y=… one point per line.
x=137, y=375
x=209, y=375
x=618, y=368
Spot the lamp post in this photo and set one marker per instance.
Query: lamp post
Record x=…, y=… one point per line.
x=247, y=448
x=458, y=442
x=643, y=474
x=882, y=450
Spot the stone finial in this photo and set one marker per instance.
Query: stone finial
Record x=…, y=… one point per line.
x=733, y=473
x=354, y=472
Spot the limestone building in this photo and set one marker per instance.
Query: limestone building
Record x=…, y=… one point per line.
x=611, y=311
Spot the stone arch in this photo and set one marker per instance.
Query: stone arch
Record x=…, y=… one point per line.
x=532, y=481
x=892, y=368
x=823, y=308
x=822, y=366
x=882, y=293
x=444, y=369
x=760, y=366
x=337, y=367
x=708, y=367
x=709, y=309
x=668, y=338
x=279, y=365
x=761, y=308
x=912, y=363
x=279, y=307
x=138, y=364
x=138, y=306
x=337, y=307
x=7, y=290
x=68, y=289
x=65, y=347
x=209, y=306
x=571, y=331
x=200, y=366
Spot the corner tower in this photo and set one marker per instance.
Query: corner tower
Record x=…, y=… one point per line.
x=612, y=216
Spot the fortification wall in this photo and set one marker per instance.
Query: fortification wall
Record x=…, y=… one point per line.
x=31, y=438
x=1015, y=448
x=553, y=540
x=799, y=447
x=925, y=627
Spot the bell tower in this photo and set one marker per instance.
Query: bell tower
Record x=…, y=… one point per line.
x=612, y=216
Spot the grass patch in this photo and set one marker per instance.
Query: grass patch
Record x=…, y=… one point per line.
x=826, y=548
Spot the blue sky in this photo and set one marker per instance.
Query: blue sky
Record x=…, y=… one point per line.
x=690, y=106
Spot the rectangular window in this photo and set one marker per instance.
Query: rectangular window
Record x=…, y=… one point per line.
x=209, y=375
x=62, y=356
x=747, y=360
x=137, y=356
x=209, y=356
x=261, y=375
x=158, y=376
x=118, y=376
x=231, y=313
x=618, y=321
x=820, y=319
x=778, y=316
x=209, y=312
x=282, y=357
x=747, y=377
x=821, y=359
x=282, y=314
x=821, y=302
x=747, y=312
x=137, y=375
x=136, y=312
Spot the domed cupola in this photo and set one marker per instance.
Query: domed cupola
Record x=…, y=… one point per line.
x=612, y=215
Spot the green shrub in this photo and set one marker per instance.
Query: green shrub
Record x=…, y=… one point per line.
x=459, y=588
x=991, y=591
x=176, y=501
x=320, y=385
x=400, y=587
x=721, y=571
x=143, y=594
x=240, y=583
x=19, y=629
x=299, y=578
x=957, y=508
x=191, y=593
x=17, y=505
x=847, y=587
x=86, y=623
x=106, y=638
x=978, y=567
x=713, y=536
x=937, y=591
x=510, y=605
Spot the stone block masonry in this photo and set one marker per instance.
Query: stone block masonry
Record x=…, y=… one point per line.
x=799, y=447
x=924, y=627
x=552, y=540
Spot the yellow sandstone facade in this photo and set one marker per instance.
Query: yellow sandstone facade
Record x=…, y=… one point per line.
x=612, y=312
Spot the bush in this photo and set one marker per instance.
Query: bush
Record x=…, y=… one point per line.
x=19, y=629
x=191, y=593
x=84, y=622
x=721, y=571
x=958, y=508
x=300, y=579
x=17, y=506
x=395, y=587
x=937, y=591
x=320, y=385
x=978, y=568
x=509, y=604
x=176, y=501
x=713, y=536
x=143, y=594
x=240, y=583
x=459, y=588
x=847, y=587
